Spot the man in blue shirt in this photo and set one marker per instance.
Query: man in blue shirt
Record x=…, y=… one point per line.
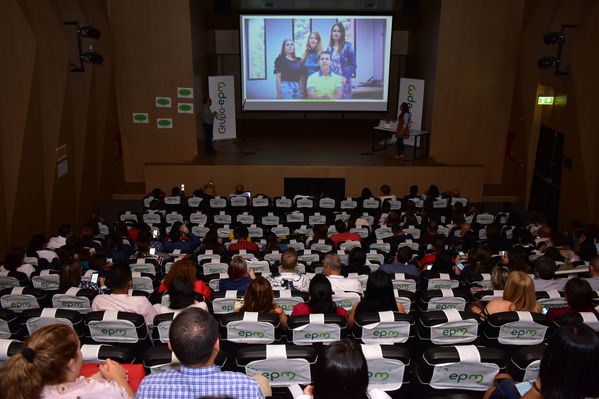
x=402, y=263
x=194, y=340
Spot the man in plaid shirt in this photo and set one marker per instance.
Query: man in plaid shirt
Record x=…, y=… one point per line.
x=194, y=340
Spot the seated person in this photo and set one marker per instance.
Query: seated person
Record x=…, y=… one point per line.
x=182, y=239
x=13, y=262
x=259, y=298
x=242, y=235
x=544, y=280
x=181, y=295
x=120, y=281
x=519, y=295
x=324, y=84
x=432, y=233
x=194, y=341
x=272, y=243
x=594, y=273
x=378, y=297
x=438, y=246
x=60, y=240
x=402, y=263
x=332, y=269
x=239, y=277
x=579, y=295
x=343, y=234
x=341, y=372
x=70, y=276
x=399, y=236
x=321, y=299
x=568, y=368
x=288, y=279
x=356, y=262
x=443, y=264
x=49, y=367
x=186, y=269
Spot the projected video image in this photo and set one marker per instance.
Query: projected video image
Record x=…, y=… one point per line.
x=315, y=62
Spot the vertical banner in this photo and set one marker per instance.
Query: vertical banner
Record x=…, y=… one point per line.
x=222, y=93
x=411, y=91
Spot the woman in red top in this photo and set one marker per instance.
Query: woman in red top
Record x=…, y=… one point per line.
x=321, y=299
x=187, y=270
x=579, y=295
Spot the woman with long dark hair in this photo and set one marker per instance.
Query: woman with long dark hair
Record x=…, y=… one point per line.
x=321, y=299
x=378, y=297
x=259, y=298
x=343, y=58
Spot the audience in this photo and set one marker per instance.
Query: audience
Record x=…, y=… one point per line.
x=259, y=298
x=343, y=235
x=13, y=262
x=120, y=281
x=70, y=276
x=518, y=295
x=180, y=238
x=568, y=368
x=242, y=236
x=402, y=263
x=239, y=278
x=544, y=280
x=332, y=269
x=341, y=372
x=579, y=295
x=59, y=240
x=321, y=299
x=356, y=262
x=193, y=338
x=49, y=367
x=289, y=279
x=594, y=272
x=181, y=294
x=378, y=297
x=187, y=270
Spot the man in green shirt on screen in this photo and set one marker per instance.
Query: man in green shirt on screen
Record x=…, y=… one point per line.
x=324, y=84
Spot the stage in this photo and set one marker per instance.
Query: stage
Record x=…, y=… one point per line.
x=266, y=152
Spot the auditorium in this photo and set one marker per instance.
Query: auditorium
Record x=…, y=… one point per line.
x=299, y=199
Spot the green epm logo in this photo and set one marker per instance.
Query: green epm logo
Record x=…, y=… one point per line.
x=18, y=305
x=446, y=306
x=477, y=378
x=275, y=375
x=402, y=286
x=380, y=375
x=71, y=304
x=441, y=286
x=450, y=332
x=524, y=333
x=386, y=333
x=315, y=335
x=287, y=306
x=139, y=286
x=46, y=283
x=114, y=331
x=227, y=308
x=345, y=304
x=250, y=334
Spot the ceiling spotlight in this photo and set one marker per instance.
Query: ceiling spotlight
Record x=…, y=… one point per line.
x=90, y=31
x=554, y=37
x=548, y=62
x=92, y=58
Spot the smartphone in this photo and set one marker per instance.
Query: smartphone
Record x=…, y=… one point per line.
x=501, y=253
x=94, y=278
x=460, y=266
x=155, y=233
x=461, y=253
x=152, y=251
x=109, y=260
x=429, y=267
x=545, y=310
x=182, y=187
x=523, y=387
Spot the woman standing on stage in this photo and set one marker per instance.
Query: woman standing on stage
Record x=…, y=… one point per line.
x=343, y=58
x=404, y=122
x=289, y=72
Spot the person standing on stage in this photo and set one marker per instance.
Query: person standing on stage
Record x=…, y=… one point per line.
x=208, y=121
x=404, y=122
x=343, y=58
x=288, y=70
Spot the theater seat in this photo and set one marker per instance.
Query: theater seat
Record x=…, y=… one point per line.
x=12, y=279
x=281, y=365
x=443, y=299
x=389, y=366
x=98, y=353
x=250, y=328
x=78, y=299
x=455, y=369
x=161, y=358
x=34, y=319
x=316, y=328
x=45, y=280
x=588, y=318
x=525, y=361
x=383, y=327
x=10, y=325
x=515, y=328
x=8, y=348
x=447, y=327
x=223, y=302
x=20, y=298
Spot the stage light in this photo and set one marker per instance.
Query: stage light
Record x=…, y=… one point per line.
x=92, y=58
x=554, y=37
x=548, y=62
x=90, y=31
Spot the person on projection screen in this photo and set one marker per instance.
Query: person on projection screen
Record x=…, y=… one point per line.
x=288, y=70
x=343, y=58
x=324, y=84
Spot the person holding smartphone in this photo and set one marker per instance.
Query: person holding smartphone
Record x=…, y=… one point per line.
x=568, y=369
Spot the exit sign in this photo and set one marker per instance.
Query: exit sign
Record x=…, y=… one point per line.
x=545, y=100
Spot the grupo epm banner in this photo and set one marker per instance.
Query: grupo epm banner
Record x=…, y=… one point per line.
x=222, y=93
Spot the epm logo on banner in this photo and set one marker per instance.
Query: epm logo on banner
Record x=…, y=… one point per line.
x=222, y=111
x=411, y=100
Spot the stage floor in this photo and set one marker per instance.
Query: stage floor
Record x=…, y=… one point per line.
x=293, y=143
